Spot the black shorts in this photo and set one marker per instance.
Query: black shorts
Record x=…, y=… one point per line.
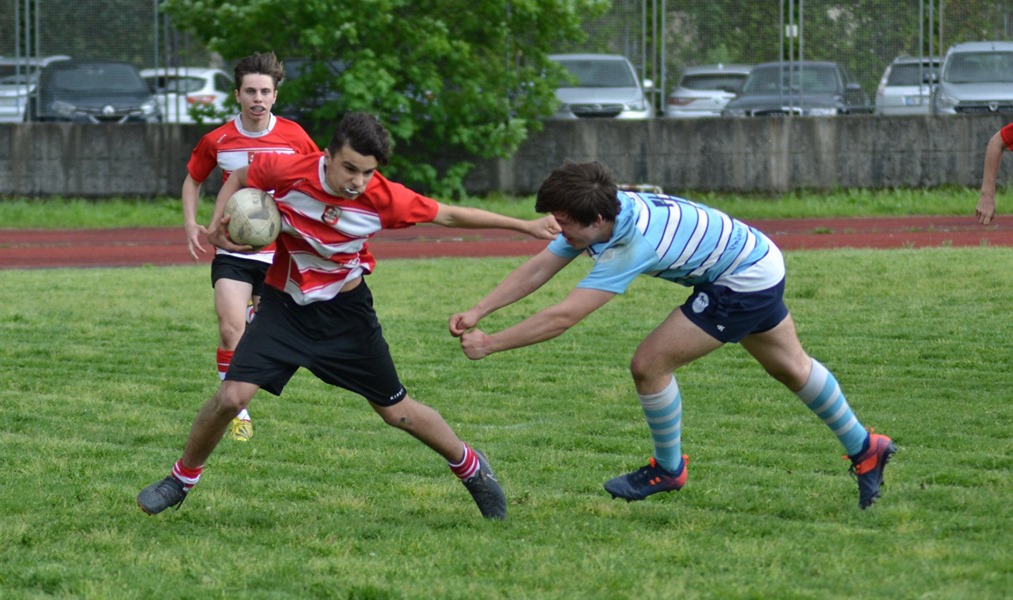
x=729, y=316
x=338, y=340
x=226, y=266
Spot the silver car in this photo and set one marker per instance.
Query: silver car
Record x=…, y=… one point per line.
x=705, y=89
x=18, y=78
x=977, y=77
x=603, y=86
x=906, y=86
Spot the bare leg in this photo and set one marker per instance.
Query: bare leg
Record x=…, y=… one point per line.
x=213, y=419
x=425, y=424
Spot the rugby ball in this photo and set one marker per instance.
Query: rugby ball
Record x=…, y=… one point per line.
x=254, y=218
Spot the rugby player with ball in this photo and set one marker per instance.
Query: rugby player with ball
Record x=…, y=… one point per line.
x=239, y=278
x=317, y=310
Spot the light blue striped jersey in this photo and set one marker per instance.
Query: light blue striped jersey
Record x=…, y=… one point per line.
x=674, y=239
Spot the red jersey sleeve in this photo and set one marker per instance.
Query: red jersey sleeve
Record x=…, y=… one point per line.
x=1007, y=135
x=265, y=172
x=204, y=158
x=398, y=206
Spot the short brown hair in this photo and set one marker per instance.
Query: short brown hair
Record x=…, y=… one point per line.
x=258, y=63
x=580, y=190
x=365, y=134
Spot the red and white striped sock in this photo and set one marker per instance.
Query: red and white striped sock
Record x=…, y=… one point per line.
x=468, y=464
x=224, y=358
x=189, y=477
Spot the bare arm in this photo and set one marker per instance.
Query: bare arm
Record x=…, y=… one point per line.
x=993, y=156
x=192, y=230
x=475, y=218
x=217, y=230
x=543, y=325
x=521, y=282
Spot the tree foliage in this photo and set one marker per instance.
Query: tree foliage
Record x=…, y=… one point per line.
x=449, y=78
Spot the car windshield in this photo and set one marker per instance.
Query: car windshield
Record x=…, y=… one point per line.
x=778, y=79
x=980, y=67
x=600, y=73
x=728, y=82
x=911, y=73
x=99, y=77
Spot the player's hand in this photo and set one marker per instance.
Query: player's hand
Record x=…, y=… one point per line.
x=462, y=322
x=985, y=209
x=218, y=235
x=193, y=233
x=475, y=344
x=544, y=228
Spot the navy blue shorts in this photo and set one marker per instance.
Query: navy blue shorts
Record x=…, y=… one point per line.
x=729, y=316
x=253, y=272
x=338, y=340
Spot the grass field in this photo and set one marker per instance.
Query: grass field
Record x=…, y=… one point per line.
x=103, y=370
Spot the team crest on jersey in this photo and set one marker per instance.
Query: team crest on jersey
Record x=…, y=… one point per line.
x=331, y=215
x=700, y=303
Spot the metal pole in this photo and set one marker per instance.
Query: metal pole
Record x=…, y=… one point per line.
x=932, y=28
x=941, y=46
x=154, y=49
x=801, y=47
x=780, y=60
x=664, y=63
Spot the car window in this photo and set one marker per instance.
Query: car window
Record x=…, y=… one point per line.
x=980, y=67
x=106, y=77
x=728, y=82
x=600, y=73
x=223, y=84
x=19, y=79
x=777, y=79
x=910, y=74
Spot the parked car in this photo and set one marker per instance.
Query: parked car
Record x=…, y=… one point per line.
x=977, y=77
x=704, y=90
x=180, y=89
x=906, y=86
x=18, y=77
x=800, y=88
x=93, y=91
x=603, y=86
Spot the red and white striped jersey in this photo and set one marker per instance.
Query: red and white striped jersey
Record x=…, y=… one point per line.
x=323, y=237
x=231, y=147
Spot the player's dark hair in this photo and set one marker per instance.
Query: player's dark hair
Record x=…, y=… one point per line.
x=259, y=64
x=365, y=134
x=580, y=190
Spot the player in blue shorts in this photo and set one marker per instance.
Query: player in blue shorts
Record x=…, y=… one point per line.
x=737, y=276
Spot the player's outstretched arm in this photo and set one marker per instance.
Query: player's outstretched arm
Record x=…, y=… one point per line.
x=539, y=327
x=985, y=209
x=521, y=282
x=544, y=228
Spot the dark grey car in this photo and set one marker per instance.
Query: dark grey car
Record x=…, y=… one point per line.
x=86, y=91
x=800, y=88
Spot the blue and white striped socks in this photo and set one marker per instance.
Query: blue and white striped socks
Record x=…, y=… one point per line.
x=823, y=395
x=664, y=418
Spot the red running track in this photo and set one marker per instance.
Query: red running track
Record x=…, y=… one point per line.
x=20, y=249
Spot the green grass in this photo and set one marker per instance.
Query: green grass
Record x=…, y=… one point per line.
x=54, y=213
x=103, y=370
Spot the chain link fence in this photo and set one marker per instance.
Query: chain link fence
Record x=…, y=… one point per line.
x=660, y=37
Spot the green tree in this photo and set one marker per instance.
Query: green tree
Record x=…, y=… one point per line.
x=450, y=78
